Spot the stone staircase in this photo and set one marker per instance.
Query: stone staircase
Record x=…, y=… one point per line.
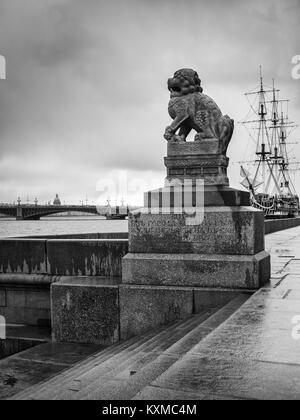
x=126, y=368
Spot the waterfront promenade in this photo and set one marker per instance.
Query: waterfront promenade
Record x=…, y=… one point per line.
x=253, y=355
x=245, y=349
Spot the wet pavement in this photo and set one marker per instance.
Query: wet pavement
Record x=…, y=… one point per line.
x=40, y=363
x=255, y=354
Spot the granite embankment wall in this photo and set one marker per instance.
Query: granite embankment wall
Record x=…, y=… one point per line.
x=276, y=225
x=29, y=266
x=107, y=235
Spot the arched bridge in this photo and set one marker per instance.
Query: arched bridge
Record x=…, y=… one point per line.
x=36, y=211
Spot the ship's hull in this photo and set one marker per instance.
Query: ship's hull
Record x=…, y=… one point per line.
x=278, y=206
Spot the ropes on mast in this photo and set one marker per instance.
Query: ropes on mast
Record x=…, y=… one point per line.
x=272, y=156
x=261, y=206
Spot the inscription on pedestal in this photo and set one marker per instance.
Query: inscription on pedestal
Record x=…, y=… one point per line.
x=221, y=231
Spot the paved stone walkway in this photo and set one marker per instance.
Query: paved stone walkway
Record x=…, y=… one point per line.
x=25, y=369
x=254, y=354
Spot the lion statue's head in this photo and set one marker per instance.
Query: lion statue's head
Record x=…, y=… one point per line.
x=185, y=81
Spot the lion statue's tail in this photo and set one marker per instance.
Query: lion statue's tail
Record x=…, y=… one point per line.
x=226, y=128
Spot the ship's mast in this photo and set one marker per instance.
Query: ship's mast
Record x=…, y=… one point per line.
x=263, y=148
x=263, y=139
x=276, y=156
x=272, y=157
x=286, y=182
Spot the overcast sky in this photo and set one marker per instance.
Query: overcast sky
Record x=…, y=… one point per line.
x=86, y=97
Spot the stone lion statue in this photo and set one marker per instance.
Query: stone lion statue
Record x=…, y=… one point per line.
x=191, y=109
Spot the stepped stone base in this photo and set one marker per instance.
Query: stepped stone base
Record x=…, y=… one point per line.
x=175, y=195
x=225, y=271
x=143, y=308
x=187, y=247
x=85, y=310
x=216, y=247
x=101, y=311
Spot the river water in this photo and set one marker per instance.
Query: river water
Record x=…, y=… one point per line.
x=60, y=226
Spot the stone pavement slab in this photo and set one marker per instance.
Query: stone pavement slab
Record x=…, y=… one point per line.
x=39, y=363
x=232, y=377
x=255, y=354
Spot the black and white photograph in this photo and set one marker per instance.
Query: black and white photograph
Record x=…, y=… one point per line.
x=149, y=203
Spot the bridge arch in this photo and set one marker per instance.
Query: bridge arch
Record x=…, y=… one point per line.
x=35, y=212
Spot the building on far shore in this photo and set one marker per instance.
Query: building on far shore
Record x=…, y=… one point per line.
x=57, y=201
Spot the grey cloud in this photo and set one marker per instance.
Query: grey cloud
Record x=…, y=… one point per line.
x=86, y=87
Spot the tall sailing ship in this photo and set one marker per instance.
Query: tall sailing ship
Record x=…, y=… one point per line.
x=268, y=175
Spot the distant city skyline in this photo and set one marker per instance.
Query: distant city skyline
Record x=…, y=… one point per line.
x=84, y=201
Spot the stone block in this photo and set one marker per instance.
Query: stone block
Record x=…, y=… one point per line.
x=220, y=230
x=39, y=299
x=212, y=298
x=207, y=196
x=2, y=298
x=211, y=168
x=26, y=256
x=143, y=308
x=202, y=270
x=16, y=298
x=27, y=304
x=85, y=310
x=86, y=257
x=113, y=235
x=26, y=316
x=207, y=148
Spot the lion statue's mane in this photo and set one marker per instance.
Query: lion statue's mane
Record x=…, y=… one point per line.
x=191, y=109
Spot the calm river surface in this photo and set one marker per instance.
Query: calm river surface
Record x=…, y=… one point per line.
x=60, y=226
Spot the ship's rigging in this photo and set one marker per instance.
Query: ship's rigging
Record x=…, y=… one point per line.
x=269, y=181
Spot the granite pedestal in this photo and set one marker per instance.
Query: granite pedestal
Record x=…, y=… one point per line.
x=224, y=247
x=195, y=233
